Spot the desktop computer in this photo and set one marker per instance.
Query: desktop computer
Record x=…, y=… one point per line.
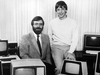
x=6, y=63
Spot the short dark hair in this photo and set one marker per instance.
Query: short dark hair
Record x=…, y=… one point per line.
x=61, y=4
x=37, y=18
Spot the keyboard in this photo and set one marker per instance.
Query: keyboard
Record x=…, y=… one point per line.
x=7, y=59
x=92, y=52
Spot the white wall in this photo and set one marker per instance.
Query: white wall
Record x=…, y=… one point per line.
x=16, y=16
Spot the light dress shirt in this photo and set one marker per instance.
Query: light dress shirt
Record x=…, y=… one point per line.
x=35, y=35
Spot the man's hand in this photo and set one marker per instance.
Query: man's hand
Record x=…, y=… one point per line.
x=70, y=56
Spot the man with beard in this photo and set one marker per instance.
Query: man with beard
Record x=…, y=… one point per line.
x=36, y=44
x=63, y=33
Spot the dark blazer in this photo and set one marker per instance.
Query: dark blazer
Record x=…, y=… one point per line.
x=28, y=47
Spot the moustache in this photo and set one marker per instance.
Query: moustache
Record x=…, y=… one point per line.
x=38, y=28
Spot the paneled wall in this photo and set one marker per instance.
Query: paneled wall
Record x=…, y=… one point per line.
x=16, y=16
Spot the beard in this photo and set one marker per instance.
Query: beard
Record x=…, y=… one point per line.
x=38, y=30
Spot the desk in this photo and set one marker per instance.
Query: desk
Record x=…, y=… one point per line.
x=89, y=58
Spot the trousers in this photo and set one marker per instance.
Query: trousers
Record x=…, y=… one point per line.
x=59, y=53
x=49, y=69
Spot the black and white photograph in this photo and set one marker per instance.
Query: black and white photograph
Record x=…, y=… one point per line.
x=49, y=37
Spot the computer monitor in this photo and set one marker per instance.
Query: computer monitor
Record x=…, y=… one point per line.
x=28, y=67
x=3, y=47
x=97, y=65
x=6, y=63
x=91, y=42
x=74, y=68
x=1, y=70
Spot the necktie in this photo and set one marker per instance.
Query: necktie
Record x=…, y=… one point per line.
x=39, y=45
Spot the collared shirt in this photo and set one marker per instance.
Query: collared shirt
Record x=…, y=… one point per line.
x=39, y=38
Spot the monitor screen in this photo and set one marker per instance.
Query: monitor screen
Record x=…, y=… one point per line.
x=91, y=42
x=28, y=67
x=3, y=47
x=74, y=67
x=29, y=70
x=25, y=71
x=71, y=67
